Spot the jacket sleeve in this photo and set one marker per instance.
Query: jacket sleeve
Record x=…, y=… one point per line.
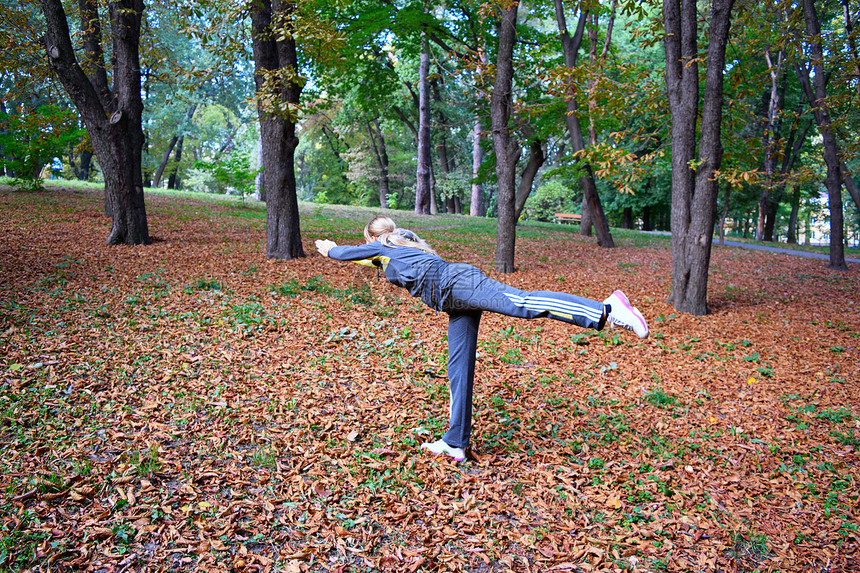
x=367, y=255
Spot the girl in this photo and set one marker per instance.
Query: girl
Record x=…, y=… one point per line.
x=464, y=292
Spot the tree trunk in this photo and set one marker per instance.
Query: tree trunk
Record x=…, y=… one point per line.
x=627, y=218
x=527, y=179
x=82, y=171
x=476, y=205
x=446, y=160
x=505, y=146
x=694, y=192
x=592, y=209
x=771, y=137
x=172, y=180
x=422, y=187
x=816, y=93
x=848, y=180
x=772, y=213
x=276, y=63
x=791, y=154
x=377, y=143
x=166, y=157
x=792, y=220
x=113, y=118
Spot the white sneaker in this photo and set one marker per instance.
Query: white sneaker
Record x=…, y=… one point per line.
x=439, y=447
x=625, y=315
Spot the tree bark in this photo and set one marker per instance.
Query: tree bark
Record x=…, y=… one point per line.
x=848, y=180
x=815, y=91
x=527, y=179
x=276, y=77
x=82, y=171
x=694, y=187
x=506, y=147
x=446, y=161
x=422, y=187
x=173, y=180
x=771, y=136
x=791, y=154
x=93, y=62
x=164, y=159
x=377, y=143
x=592, y=208
x=113, y=118
x=476, y=204
x=792, y=220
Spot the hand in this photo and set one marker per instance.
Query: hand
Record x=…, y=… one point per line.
x=324, y=246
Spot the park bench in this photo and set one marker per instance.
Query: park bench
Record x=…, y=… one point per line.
x=567, y=218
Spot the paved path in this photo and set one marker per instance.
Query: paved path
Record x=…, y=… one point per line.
x=783, y=251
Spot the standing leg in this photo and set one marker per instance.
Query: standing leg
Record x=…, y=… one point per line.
x=462, y=346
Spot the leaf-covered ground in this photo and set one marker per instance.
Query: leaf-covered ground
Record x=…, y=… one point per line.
x=192, y=405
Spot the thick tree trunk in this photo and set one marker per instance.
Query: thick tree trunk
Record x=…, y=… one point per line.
x=505, y=146
x=422, y=187
x=694, y=192
x=476, y=204
x=113, y=117
x=815, y=91
x=592, y=209
x=275, y=54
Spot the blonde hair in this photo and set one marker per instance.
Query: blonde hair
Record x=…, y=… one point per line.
x=389, y=234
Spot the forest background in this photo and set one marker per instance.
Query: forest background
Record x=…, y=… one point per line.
x=168, y=406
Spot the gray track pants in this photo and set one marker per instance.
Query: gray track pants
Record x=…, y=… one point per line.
x=471, y=293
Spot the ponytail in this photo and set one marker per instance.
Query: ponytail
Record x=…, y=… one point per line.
x=386, y=232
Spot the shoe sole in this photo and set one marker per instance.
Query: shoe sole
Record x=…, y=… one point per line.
x=626, y=302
